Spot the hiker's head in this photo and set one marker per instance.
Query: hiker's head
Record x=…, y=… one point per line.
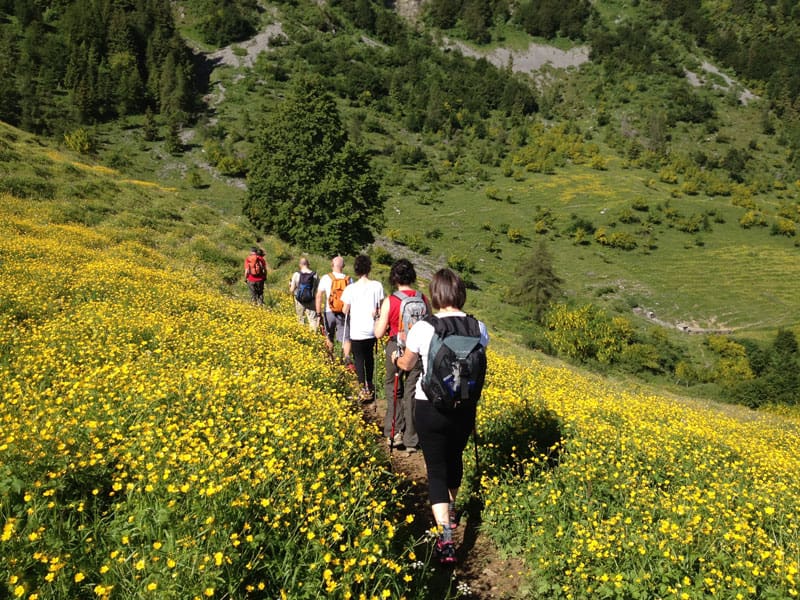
x=337, y=263
x=362, y=265
x=447, y=289
x=260, y=252
x=303, y=262
x=402, y=273
x=253, y=250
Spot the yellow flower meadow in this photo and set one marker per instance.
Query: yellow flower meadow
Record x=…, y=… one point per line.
x=158, y=439
x=639, y=496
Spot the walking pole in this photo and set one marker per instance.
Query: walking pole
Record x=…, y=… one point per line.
x=477, y=480
x=475, y=439
x=324, y=329
x=394, y=408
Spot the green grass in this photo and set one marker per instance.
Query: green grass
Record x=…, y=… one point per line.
x=725, y=278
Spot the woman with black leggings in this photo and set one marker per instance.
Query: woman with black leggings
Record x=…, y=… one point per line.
x=442, y=435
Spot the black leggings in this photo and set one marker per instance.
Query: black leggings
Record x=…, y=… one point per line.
x=364, y=360
x=443, y=438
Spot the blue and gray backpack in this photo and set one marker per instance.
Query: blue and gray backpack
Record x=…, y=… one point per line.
x=456, y=367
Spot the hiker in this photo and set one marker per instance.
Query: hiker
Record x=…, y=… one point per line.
x=255, y=274
x=303, y=288
x=330, y=288
x=443, y=434
x=362, y=301
x=396, y=319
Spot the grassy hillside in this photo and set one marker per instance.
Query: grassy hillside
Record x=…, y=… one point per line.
x=654, y=185
x=161, y=439
x=462, y=191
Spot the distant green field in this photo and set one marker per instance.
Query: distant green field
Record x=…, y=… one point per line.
x=737, y=279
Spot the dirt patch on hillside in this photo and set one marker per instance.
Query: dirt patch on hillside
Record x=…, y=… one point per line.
x=244, y=54
x=709, y=71
x=533, y=58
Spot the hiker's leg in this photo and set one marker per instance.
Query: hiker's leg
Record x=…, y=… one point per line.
x=369, y=365
x=432, y=427
x=330, y=331
x=410, y=436
x=299, y=311
x=343, y=335
x=313, y=319
x=360, y=349
x=259, y=288
x=463, y=423
x=251, y=285
x=389, y=394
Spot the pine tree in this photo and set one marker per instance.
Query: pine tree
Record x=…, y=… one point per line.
x=537, y=285
x=307, y=183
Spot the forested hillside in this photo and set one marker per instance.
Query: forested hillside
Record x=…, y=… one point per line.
x=67, y=63
x=660, y=176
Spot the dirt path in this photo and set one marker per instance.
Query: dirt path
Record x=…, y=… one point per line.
x=480, y=574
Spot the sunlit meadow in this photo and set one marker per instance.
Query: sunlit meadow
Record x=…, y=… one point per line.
x=644, y=497
x=161, y=440
x=158, y=440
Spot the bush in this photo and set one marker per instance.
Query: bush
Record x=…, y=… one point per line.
x=81, y=140
x=381, y=256
x=461, y=264
x=784, y=227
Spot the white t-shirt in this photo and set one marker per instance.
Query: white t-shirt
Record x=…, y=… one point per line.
x=419, y=341
x=325, y=287
x=364, y=297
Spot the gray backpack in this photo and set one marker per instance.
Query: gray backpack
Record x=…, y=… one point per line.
x=412, y=309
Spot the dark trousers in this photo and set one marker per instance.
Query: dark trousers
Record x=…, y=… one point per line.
x=364, y=360
x=256, y=291
x=443, y=438
x=400, y=410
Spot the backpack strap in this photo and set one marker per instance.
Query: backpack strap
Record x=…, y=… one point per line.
x=466, y=325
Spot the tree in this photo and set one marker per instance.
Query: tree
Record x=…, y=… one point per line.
x=307, y=183
x=537, y=284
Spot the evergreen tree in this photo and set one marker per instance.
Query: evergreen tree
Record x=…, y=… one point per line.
x=537, y=285
x=476, y=18
x=172, y=141
x=9, y=95
x=150, y=127
x=443, y=13
x=307, y=183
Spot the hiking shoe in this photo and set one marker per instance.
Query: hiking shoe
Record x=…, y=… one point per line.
x=397, y=445
x=453, y=515
x=445, y=552
x=411, y=449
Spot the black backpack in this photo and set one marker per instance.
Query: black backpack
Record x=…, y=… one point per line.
x=305, y=287
x=456, y=366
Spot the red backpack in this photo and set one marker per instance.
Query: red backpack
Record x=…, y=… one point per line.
x=255, y=266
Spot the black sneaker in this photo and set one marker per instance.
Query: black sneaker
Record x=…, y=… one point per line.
x=445, y=552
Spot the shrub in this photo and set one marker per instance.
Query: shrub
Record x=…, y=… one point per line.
x=784, y=227
x=81, y=140
x=462, y=264
x=752, y=218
